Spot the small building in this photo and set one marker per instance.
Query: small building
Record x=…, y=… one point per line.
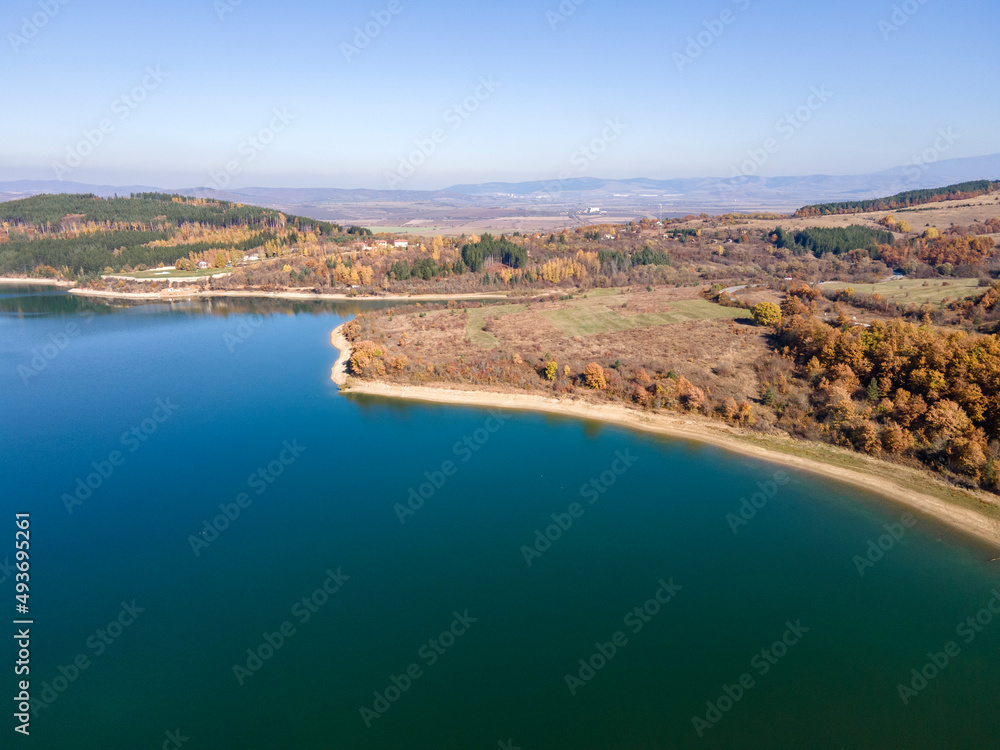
x=381, y=244
x=251, y=258
x=202, y=264
x=401, y=244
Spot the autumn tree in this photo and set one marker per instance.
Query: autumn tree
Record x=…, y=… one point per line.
x=593, y=376
x=766, y=314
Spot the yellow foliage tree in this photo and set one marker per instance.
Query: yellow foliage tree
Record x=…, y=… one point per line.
x=593, y=376
x=766, y=314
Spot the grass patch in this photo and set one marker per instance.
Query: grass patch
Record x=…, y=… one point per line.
x=595, y=293
x=477, y=319
x=914, y=290
x=590, y=319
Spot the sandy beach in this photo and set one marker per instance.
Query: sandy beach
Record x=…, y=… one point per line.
x=45, y=282
x=169, y=294
x=878, y=477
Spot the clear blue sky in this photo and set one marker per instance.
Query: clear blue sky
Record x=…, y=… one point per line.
x=354, y=120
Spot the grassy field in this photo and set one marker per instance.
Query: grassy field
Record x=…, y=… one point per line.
x=585, y=318
x=477, y=319
x=918, y=291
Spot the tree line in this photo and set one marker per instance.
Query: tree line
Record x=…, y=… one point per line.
x=959, y=191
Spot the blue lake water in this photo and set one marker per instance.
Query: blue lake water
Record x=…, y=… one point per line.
x=223, y=545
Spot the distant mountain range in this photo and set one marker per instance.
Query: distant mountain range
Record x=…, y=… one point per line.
x=617, y=196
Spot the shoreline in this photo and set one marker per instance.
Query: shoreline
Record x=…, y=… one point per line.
x=168, y=294
x=876, y=479
x=42, y=282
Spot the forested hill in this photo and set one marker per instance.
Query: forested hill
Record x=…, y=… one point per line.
x=961, y=191
x=156, y=210
x=80, y=236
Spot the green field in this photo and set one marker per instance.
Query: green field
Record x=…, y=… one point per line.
x=477, y=319
x=917, y=291
x=586, y=319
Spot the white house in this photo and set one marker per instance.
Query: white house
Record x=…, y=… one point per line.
x=202, y=264
x=401, y=243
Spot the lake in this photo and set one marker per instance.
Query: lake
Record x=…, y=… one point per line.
x=227, y=553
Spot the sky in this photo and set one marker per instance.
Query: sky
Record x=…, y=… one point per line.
x=412, y=94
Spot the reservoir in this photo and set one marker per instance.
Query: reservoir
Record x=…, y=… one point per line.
x=228, y=551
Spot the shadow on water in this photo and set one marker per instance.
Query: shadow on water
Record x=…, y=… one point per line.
x=32, y=301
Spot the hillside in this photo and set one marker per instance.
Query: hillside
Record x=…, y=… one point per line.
x=81, y=235
x=961, y=191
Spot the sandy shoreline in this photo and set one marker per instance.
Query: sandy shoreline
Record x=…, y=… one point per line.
x=170, y=294
x=691, y=428
x=45, y=282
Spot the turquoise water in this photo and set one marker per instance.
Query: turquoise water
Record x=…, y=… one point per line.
x=233, y=386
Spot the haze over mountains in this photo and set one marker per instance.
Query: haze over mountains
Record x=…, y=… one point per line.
x=562, y=200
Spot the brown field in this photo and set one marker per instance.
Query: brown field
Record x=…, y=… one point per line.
x=663, y=330
x=941, y=215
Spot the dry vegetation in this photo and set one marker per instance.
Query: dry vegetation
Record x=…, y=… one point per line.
x=666, y=348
